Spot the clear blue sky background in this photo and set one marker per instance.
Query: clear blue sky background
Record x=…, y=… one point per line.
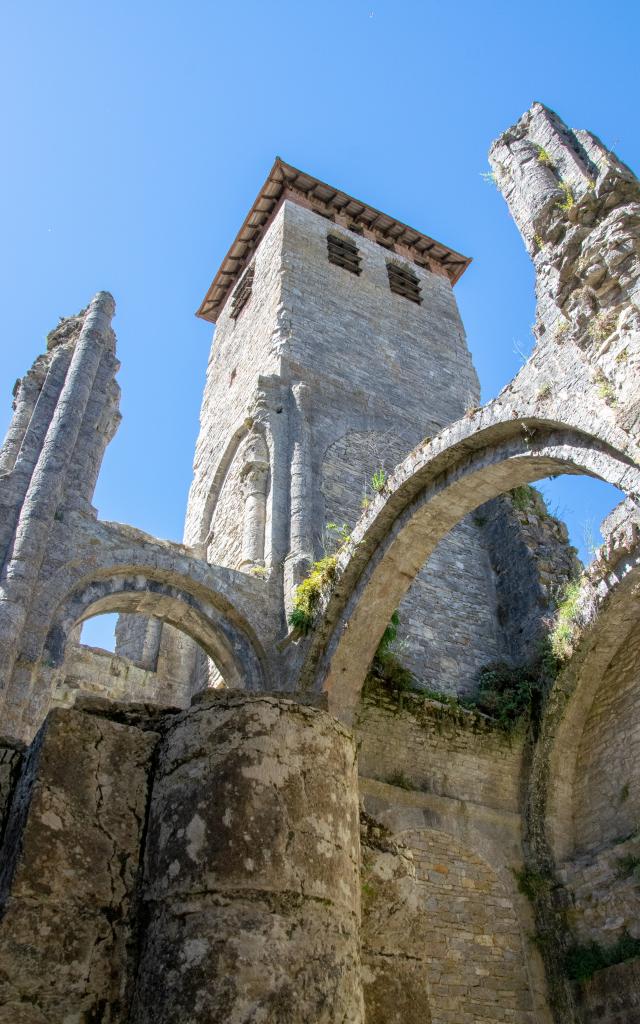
x=136, y=135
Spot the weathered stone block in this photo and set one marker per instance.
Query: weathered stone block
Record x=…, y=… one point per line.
x=70, y=867
x=251, y=872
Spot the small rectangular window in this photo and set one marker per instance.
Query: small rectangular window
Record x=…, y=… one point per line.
x=403, y=281
x=242, y=292
x=344, y=253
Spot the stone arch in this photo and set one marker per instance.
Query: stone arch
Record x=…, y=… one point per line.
x=590, y=727
x=433, y=489
x=218, y=480
x=233, y=524
x=347, y=469
x=207, y=618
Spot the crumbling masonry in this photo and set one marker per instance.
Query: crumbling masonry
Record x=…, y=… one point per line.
x=235, y=820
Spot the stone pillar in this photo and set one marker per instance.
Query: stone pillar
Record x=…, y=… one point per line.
x=251, y=874
x=47, y=481
x=138, y=639
x=300, y=529
x=25, y=394
x=255, y=478
x=69, y=865
x=15, y=488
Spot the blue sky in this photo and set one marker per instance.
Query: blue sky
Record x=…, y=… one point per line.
x=137, y=134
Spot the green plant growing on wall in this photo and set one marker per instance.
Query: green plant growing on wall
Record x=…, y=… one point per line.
x=340, y=533
x=605, y=389
x=523, y=498
x=560, y=328
x=534, y=884
x=260, y=571
x=386, y=670
x=308, y=593
x=506, y=694
x=538, y=241
x=582, y=961
x=564, y=633
x=568, y=201
x=544, y=392
x=379, y=480
x=545, y=157
x=602, y=324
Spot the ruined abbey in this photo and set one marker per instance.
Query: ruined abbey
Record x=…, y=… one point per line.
x=368, y=748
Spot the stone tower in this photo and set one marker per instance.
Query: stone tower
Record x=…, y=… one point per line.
x=338, y=347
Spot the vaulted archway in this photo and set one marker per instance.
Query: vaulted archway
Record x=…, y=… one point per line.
x=223, y=635
x=438, y=484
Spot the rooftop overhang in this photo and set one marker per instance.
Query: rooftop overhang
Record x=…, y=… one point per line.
x=286, y=182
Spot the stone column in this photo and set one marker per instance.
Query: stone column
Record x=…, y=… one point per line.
x=301, y=496
x=255, y=477
x=251, y=874
x=31, y=442
x=138, y=639
x=47, y=481
x=26, y=394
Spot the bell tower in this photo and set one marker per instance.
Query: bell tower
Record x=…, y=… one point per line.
x=338, y=347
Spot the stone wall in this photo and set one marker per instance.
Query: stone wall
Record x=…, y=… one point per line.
x=439, y=750
x=467, y=934
x=70, y=865
x=449, y=618
x=533, y=561
x=612, y=996
x=607, y=793
x=90, y=670
x=604, y=892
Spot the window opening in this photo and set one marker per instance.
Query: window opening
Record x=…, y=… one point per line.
x=404, y=282
x=344, y=253
x=242, y=293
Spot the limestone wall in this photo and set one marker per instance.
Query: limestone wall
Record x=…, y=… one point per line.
x=604, y=892
x=70, y=864
x=89, y=670
x=607, y=794
x=439, y=751
x=612, y=996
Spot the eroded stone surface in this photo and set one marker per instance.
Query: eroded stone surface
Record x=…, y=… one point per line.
x=251, y=869
x=70, y=867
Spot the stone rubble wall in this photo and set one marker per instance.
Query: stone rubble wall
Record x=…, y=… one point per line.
x=449, y=619
x=578, y=210
x=395, y=980
x=607, y=793
x=444, y=930
x=90, y=670
x=440, y=750
x=533, y=561
x=604, y=891
x=612, y=996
